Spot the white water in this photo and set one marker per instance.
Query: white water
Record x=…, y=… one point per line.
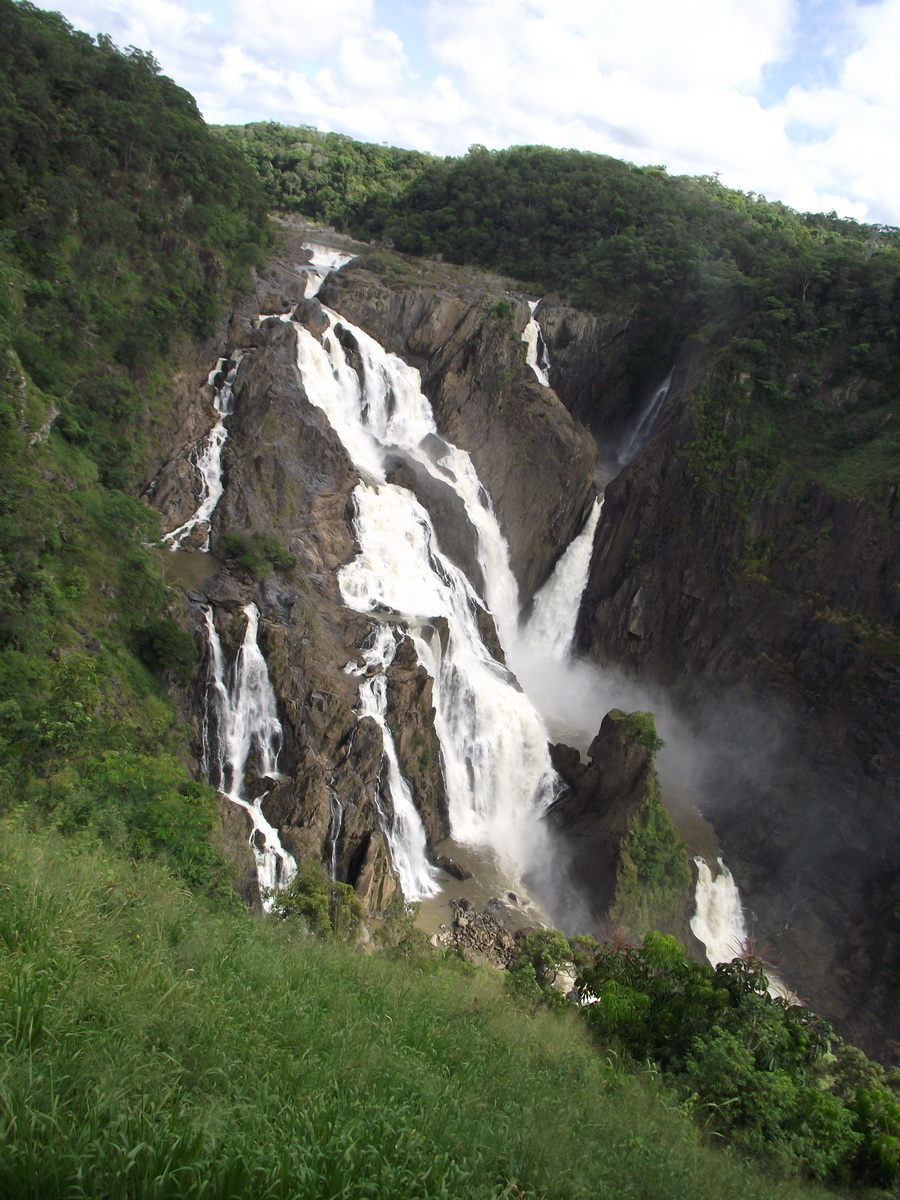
x=551, y=627
x=405, y=835
x=242, y=729
x=644, y=426
x=493, y=743
x=324, y=260
x=536, y=351
x=208, y=460
x=719, y=920
x=335, y=825
x=565, y=690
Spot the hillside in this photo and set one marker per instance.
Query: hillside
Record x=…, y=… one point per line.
x=124, y=225
x=364, y=492
x=155, y=1048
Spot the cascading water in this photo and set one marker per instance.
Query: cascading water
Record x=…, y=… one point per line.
x=497, y=771
x=324, y=260
x=644, y=426
x=208, y=460
x=551, y=626
x=720, y=925
x=563, y=689
x=242, y=729
x=335, y=825
x=719, y=920
x=536, y=350
x=405, y=834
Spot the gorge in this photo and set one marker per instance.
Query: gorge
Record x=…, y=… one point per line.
x=533, y=554
x=390, y=661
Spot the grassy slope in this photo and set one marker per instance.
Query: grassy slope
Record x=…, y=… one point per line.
x=154, y=1048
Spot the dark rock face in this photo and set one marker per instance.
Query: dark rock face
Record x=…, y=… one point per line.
x=588, y=365
x=606, y=800
x=534, y=459
x=773, y=623
x=411, y=721
x=602, y=798
x=286, y=470
x=455, y=535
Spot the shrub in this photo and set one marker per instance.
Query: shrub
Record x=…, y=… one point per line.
x=258, y=554
x=327, y=908
x=162, y=646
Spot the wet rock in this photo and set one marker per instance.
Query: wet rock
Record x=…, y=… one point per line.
x=455, y=535
x=457, y=870
x=410, y=717
x=224, y=592
x=535, y=460
x=310, y=314
x=376, y=883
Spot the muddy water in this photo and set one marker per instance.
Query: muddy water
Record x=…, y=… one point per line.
x=187, y=568
x=486, y=890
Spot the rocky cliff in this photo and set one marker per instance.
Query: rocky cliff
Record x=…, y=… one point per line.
x=287, y=477
x=535, y=460
x=624, y=857
x=769, y=615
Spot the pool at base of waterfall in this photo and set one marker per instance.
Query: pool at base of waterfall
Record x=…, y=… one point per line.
x=487, y=889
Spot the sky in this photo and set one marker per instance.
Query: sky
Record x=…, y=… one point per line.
x=796, y=100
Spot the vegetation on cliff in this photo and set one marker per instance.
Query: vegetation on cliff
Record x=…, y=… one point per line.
x=797, y=312
x=327, y=176
x=763, y=1072
x=124, y=225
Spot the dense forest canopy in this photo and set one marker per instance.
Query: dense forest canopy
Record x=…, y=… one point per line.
x=327, y=176
x=799, y=312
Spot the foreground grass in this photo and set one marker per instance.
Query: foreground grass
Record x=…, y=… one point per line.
x=153, y=1049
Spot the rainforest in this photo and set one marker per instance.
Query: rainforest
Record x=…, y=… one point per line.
x=449, y=664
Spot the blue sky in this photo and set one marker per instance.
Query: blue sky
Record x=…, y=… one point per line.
x=796, y=99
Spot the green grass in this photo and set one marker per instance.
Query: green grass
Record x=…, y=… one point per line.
x=151, y=1048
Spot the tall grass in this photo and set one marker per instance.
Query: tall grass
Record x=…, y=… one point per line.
x=151, y=1048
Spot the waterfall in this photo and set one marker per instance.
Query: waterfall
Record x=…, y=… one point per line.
x=324, y=260
x=242, y=729
x=335, y=825
x=496, y=764
x=645, y=423
x=405, y=834
x=551, y=626
x=208, y=460
x=536, y=350
x=719, y=920
x=565, y=690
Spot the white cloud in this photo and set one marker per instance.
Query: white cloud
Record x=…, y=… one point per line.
x=846, y=133
x=292, y=30
x=669, y=81
x=177, y=33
